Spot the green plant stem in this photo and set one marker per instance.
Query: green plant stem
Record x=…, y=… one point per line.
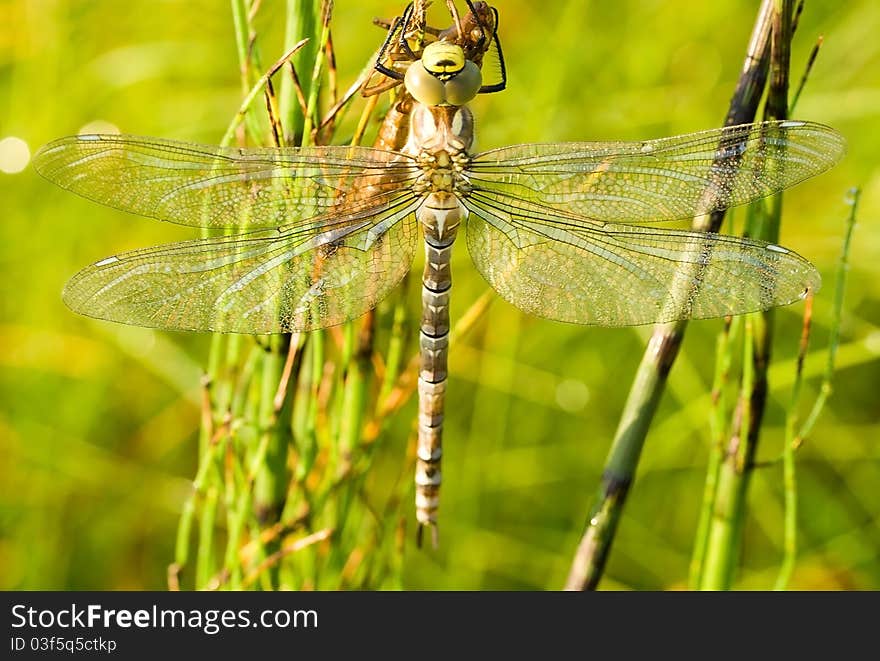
x=825, y=389
x=396, y=343
x=271, y=477
x=301, y=22
x=620, y=466
x=224, y=356
x=789, y=476
x=205, y=557
x=728, y=521
x=718, y=431
x=248, y=59
x=728, y=497
x=647, y=389
x=283, y=449
x=270, y=463
x=354, y=402
x=794, y=434
x=311, y=92
x=255, y=91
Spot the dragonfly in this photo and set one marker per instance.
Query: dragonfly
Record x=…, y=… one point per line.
x=318, y=236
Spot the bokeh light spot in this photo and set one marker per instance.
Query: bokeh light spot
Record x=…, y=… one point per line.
x=572, y=395
x=14, y=155
x=98, y=126
x=872, y=342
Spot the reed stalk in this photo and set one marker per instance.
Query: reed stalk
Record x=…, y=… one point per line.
x=283, y=416
x=795, y=430
x=724, y=537
x=650, y=380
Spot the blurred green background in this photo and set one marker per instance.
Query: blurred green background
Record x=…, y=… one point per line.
x=98, y=423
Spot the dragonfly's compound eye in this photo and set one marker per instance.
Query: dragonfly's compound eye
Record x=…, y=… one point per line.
x=464, y=87
x=443, y=76
x=424, y=87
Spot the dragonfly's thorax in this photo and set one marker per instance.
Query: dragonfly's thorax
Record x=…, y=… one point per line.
x=439, y=139
x=440, y=128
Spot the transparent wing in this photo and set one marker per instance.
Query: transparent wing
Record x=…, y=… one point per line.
x=223, y=187
x=265, y=281
x=656, y=180
x=568, y=268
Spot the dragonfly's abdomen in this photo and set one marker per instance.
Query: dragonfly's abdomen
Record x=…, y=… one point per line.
x=439, y=138
x=440, y=216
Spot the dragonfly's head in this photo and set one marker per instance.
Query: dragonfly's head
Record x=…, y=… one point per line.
x=443, y=76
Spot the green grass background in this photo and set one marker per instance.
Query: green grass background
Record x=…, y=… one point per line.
x=98, y=422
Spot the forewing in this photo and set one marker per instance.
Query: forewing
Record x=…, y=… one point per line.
x=657, y=180
x=222, y=187
x=572, y=269
x=264, y=281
